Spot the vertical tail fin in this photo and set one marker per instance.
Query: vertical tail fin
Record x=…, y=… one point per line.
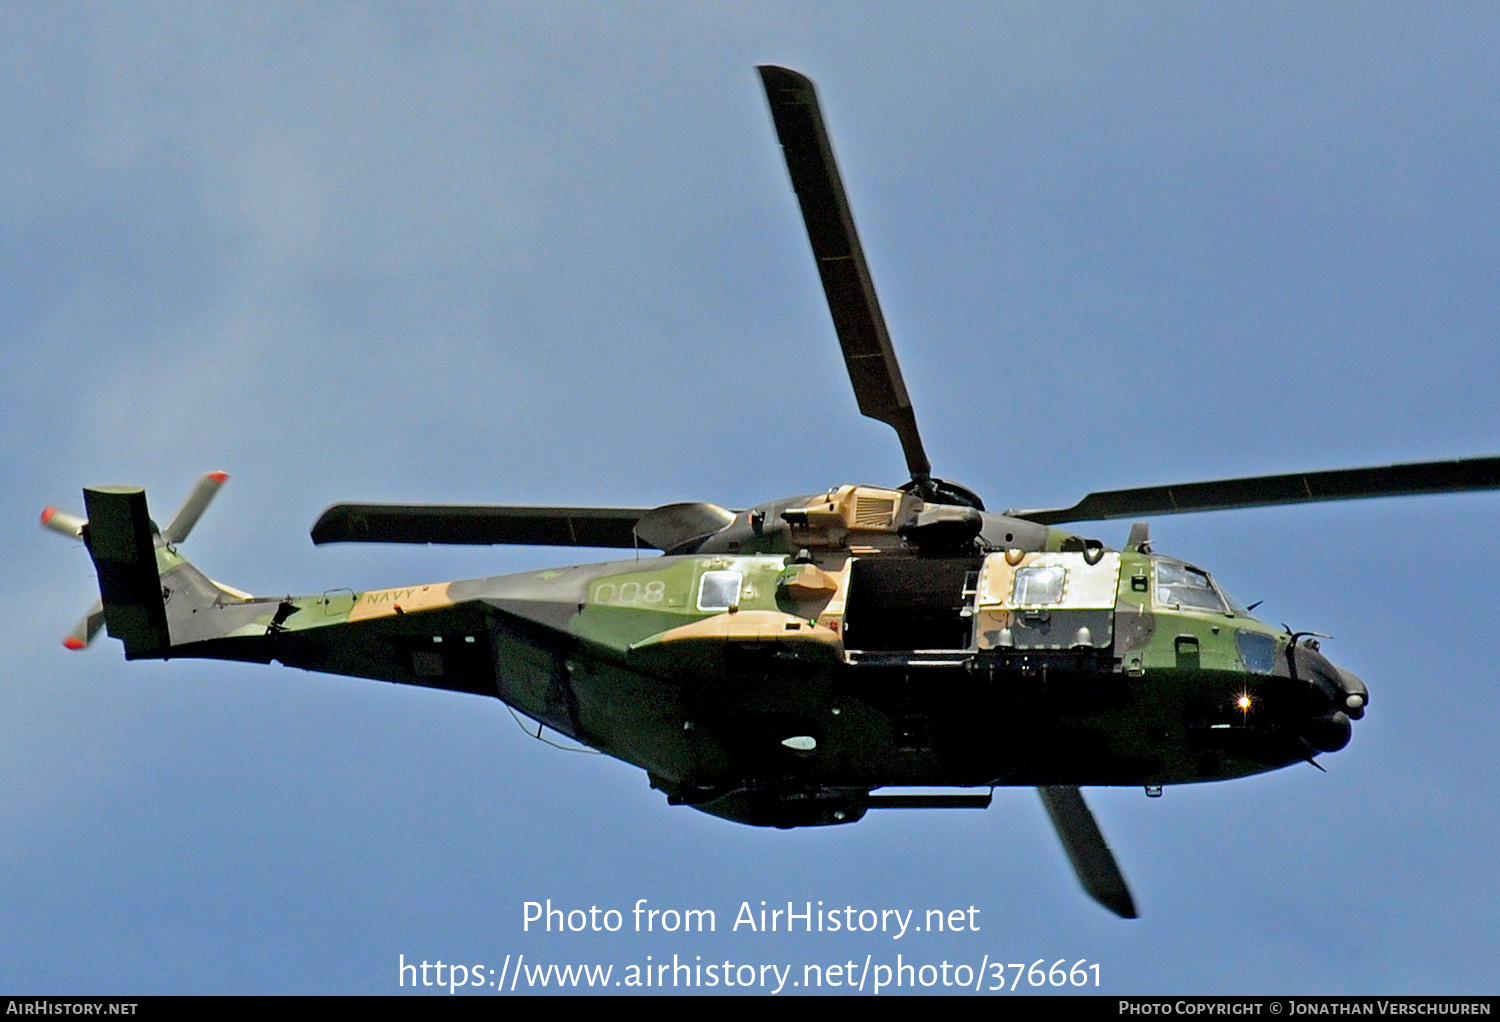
x=122, y=543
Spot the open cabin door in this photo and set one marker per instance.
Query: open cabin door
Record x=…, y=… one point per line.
x=910, y=603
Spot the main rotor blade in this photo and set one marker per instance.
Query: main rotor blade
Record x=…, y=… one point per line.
x=480, y=525
x=1087, y=850
x=1458, y=476
x=841, y=261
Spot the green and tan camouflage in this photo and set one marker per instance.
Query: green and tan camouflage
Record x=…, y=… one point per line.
x=783, y=688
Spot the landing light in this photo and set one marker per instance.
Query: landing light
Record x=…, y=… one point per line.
x=1243, y=703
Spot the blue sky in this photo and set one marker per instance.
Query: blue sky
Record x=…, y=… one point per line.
x=549, y=253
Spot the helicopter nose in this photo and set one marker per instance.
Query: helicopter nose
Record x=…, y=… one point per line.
x=1337, y=698
x=1329, y=732
x=1356, y=696
x=1347, y=697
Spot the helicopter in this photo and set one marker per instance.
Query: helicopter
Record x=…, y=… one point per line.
x=799, y=662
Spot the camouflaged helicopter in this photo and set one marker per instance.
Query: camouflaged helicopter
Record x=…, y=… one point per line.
x=788, y=664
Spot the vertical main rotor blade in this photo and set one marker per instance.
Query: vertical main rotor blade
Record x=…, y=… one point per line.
x=1087, y=850
x=841, y=262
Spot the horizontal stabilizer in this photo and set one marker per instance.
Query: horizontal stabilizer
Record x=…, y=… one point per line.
x=479, y=525
x=123, y=545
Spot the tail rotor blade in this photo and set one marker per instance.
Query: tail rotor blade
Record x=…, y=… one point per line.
x=87, y=627
x=1087, y=850
x=68, y=524
x=192, y=509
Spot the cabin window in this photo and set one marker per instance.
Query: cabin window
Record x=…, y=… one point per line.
x=1038, y=585
x=719, y=590
x=1186, y=587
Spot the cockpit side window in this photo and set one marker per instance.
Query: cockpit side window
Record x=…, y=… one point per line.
x=1186, y=587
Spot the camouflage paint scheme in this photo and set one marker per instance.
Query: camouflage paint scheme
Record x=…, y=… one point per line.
x=754, y=678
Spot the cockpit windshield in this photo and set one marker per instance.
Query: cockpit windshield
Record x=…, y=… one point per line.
x=1236, y=608
x=1187, y=587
